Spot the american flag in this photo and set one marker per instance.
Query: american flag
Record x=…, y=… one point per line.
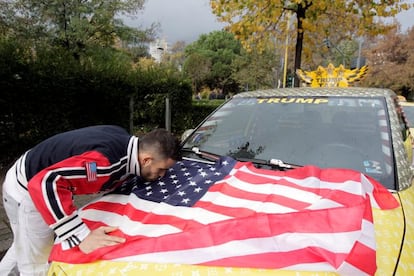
x=91, y=171
x=232, y=214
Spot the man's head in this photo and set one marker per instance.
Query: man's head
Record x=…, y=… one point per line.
x=158, y=151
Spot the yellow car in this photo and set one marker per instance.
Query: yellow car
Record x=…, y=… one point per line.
x=304, y=163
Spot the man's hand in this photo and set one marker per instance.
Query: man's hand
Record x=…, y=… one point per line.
x=99, y=238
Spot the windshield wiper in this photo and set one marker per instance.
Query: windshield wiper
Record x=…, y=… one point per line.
x=203, y=154
x=274, y=163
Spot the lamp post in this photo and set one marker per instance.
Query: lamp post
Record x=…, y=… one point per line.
x=329, y=44
x=286, y=50
x=360, y=41
x=285, y=64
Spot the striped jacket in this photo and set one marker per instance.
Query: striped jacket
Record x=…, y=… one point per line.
x=82, y=161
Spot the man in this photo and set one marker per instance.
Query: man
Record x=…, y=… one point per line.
x=39, y=188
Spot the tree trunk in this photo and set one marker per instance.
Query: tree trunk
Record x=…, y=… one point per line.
x=300, y=15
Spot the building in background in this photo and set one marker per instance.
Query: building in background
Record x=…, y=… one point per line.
x=157, y=49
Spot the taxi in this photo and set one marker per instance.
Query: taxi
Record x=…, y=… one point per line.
x=360, y=129
x=357, y=128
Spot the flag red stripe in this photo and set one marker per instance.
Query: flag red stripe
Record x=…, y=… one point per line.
x=227, y=211
x=362, y=252
x=284, y=259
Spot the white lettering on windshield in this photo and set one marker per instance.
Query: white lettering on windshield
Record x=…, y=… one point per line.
x=294, y=100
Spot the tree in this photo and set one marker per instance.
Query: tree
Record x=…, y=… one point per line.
x=391, y=59
x=71, y=24
x=220, y=48
x=254, y=70
x=175, y=56
x=197, y=68
x=255, y=22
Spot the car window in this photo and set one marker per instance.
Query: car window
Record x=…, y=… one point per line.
x=325, y=131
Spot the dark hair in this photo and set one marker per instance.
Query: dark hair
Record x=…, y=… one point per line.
x=162, y=143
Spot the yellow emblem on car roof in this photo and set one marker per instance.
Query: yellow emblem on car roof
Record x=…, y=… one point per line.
x=332, y=76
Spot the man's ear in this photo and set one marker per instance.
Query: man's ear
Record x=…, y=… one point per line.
x=145, y=159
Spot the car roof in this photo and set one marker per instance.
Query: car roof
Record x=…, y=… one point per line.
x=320, y=91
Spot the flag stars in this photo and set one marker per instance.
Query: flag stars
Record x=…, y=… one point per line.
x=203, y=174
x=184, y=183
x=185, y=200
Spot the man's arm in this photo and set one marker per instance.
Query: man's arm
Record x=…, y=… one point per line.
x=52, y=192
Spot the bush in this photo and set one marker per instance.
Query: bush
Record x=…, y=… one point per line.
x=201, y=109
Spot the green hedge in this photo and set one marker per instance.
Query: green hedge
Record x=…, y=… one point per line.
x=54, y=93
x=201, y=109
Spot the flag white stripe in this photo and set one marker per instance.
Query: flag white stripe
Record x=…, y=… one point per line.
x=196, y=214
x=272, y=189
x=130, y=227
x=264, y=207
x=281, y=243
x=322, y=204
x=368, y=240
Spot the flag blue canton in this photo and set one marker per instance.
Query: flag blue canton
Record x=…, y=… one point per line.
x=184, y=183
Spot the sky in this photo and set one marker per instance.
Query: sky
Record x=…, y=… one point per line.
x=186, y=20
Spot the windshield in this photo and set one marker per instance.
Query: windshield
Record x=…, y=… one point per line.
x=325, y=131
